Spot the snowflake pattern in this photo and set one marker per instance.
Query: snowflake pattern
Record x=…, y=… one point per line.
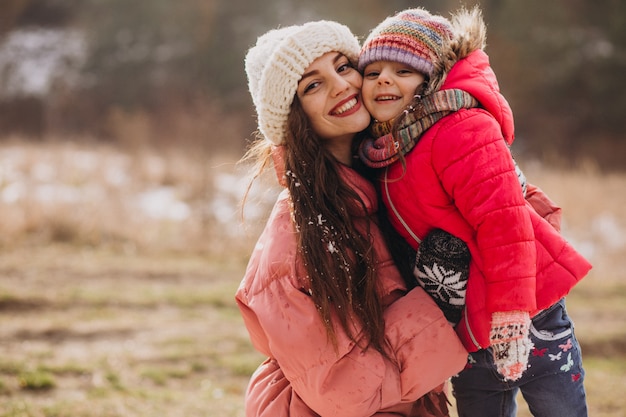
x=442, y=284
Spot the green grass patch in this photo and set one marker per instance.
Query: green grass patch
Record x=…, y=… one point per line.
x=161, y=375
x=36, y=380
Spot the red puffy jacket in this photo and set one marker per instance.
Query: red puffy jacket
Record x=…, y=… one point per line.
x=460, y=178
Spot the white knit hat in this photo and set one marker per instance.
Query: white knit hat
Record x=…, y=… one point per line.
x=277, y=62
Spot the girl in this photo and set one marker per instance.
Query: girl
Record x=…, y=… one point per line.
x=343, y=333
x=446, y=166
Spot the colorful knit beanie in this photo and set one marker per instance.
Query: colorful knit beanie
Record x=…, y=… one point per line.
x=413, y=37
x=277, y=62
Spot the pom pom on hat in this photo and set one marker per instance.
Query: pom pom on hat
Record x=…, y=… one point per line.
x=412, y=37
x=277, y=62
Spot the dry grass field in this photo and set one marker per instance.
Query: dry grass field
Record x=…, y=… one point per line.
x=118, y=269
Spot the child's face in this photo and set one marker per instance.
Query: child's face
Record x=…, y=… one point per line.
x=388, y=88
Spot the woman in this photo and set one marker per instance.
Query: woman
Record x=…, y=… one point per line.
x=321, y=296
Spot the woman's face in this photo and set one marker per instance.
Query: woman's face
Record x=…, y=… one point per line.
x=330, y=95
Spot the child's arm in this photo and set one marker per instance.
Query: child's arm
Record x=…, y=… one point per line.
x=475, y=168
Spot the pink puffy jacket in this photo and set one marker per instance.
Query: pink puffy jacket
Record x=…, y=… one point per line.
x=303, y=374
x=460, y=178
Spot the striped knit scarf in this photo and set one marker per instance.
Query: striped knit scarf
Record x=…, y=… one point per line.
x=383, y=149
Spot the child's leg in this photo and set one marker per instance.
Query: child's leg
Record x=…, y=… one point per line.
x=480, y=391
x=553, y=384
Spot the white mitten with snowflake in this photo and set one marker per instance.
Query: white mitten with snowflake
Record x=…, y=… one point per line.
x=442, y=269
x=510, y=342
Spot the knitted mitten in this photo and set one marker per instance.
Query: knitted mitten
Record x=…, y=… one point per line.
x=442, y=269
x=510, y=342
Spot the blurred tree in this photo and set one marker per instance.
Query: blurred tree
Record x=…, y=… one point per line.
x=559, y=63
x=564, y=75
x=24, y=70
x=48, y=13
x=144, y=53
x=11, y=11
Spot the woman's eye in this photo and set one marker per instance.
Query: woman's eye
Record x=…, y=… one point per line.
x=344, y=67
x=310, y=87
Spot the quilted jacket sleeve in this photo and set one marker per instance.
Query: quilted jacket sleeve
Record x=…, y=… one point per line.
x=284, y=323
x=475, y=167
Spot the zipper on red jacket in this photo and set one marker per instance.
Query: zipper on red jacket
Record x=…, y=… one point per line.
x=397, y=214
x=418, y=240
x=469, y=330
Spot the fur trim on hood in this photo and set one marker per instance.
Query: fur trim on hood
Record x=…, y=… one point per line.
x=470, y=34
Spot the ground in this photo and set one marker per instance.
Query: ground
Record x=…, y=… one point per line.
x=92, y=334
x=107, y=310
x=87, y=333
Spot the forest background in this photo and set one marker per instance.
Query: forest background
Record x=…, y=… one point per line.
x=175, y=67
x=121, y=237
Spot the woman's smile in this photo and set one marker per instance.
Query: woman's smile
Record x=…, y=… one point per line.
x=346, y=107
x=330, y=95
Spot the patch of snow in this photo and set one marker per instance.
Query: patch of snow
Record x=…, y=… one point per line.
x=32, y=59
x=163, y=203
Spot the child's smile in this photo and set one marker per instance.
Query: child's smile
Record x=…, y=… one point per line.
x=388, y=88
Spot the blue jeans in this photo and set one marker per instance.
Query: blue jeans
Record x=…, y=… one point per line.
x=552, y=386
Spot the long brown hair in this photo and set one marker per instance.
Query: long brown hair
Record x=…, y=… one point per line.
x=338, y=257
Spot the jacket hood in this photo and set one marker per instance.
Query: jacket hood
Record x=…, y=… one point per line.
x=469, y=35
x=464, y=65
x=474, y=75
